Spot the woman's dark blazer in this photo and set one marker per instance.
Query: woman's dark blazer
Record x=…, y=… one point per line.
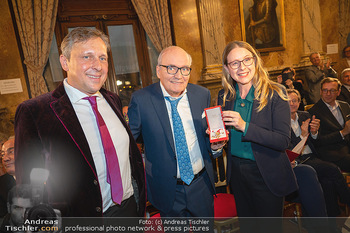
x=269, y=134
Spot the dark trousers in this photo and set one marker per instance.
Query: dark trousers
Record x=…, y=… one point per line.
x=344, y=163
x=310, y=191
x=194, y=200
x=330, y=155
x=332, y=182
x=128, y=208
x=254, y=198
x=310, y=195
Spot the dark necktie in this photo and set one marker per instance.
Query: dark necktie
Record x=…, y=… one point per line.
x=113, y=172
x=183, y=156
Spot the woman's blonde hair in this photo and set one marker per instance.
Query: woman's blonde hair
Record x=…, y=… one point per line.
x=264, y=87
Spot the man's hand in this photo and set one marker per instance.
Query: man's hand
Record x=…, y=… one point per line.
x=305, y=128
x=293, y=164
x=314, y=125
x=346, y=129
x=217, y=145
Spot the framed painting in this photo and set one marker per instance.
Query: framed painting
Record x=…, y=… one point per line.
x=263, y=24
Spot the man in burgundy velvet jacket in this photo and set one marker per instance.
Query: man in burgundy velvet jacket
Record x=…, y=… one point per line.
x=58, y=131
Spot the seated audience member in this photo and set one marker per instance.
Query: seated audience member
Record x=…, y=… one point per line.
x=345, y=88
x=19, y=200
x=306, y=93
x=310, y=191
x=8, y=156
x=345, y=61
x=332, y=143
x=310, y=195
x=287, y=78
x=315, y=73
x=7, y=180
x=3, y=197
x=329, y=175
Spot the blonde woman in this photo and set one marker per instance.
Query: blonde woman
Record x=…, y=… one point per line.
x=257, y=114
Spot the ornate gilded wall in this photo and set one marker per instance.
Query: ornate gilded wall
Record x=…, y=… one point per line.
x=10, y=68
x=191, y=26
x=191, y=22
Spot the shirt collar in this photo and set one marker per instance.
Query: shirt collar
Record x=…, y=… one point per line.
x=296, y=118
x=74, y=94
x=250, y=96
x=331, y=107
x=166, y=94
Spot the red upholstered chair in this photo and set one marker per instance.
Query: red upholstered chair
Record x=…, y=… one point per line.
x=154, y=221
x=225, y=214
x=224, y=206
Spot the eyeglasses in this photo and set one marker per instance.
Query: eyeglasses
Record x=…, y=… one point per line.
x=236, y=64
x=294, y=101
x=332, y=91
x=185, y=71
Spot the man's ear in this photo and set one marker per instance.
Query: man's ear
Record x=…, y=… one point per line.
x=64, y=62
x=339, y=91
x=157, y=70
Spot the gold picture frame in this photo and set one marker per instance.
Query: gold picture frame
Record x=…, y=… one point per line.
x=263, y=24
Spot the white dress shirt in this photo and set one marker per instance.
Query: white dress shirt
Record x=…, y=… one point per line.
x=118, y=134
x=184, y=111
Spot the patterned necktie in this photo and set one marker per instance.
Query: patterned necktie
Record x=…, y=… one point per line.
x=183, y=157
x=113, y=172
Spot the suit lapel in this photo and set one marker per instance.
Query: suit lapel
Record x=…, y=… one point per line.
x=255, y=114
x=64, y=111
x=345, y=91
x=343, y=113
x=328, y=116
x=161, y=111
x=196, y=110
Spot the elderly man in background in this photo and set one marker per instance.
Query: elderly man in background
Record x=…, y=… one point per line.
x=345, y=88
x=315, y=73
x=7, y=180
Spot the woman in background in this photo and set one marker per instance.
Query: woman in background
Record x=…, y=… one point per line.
x=257, y=113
